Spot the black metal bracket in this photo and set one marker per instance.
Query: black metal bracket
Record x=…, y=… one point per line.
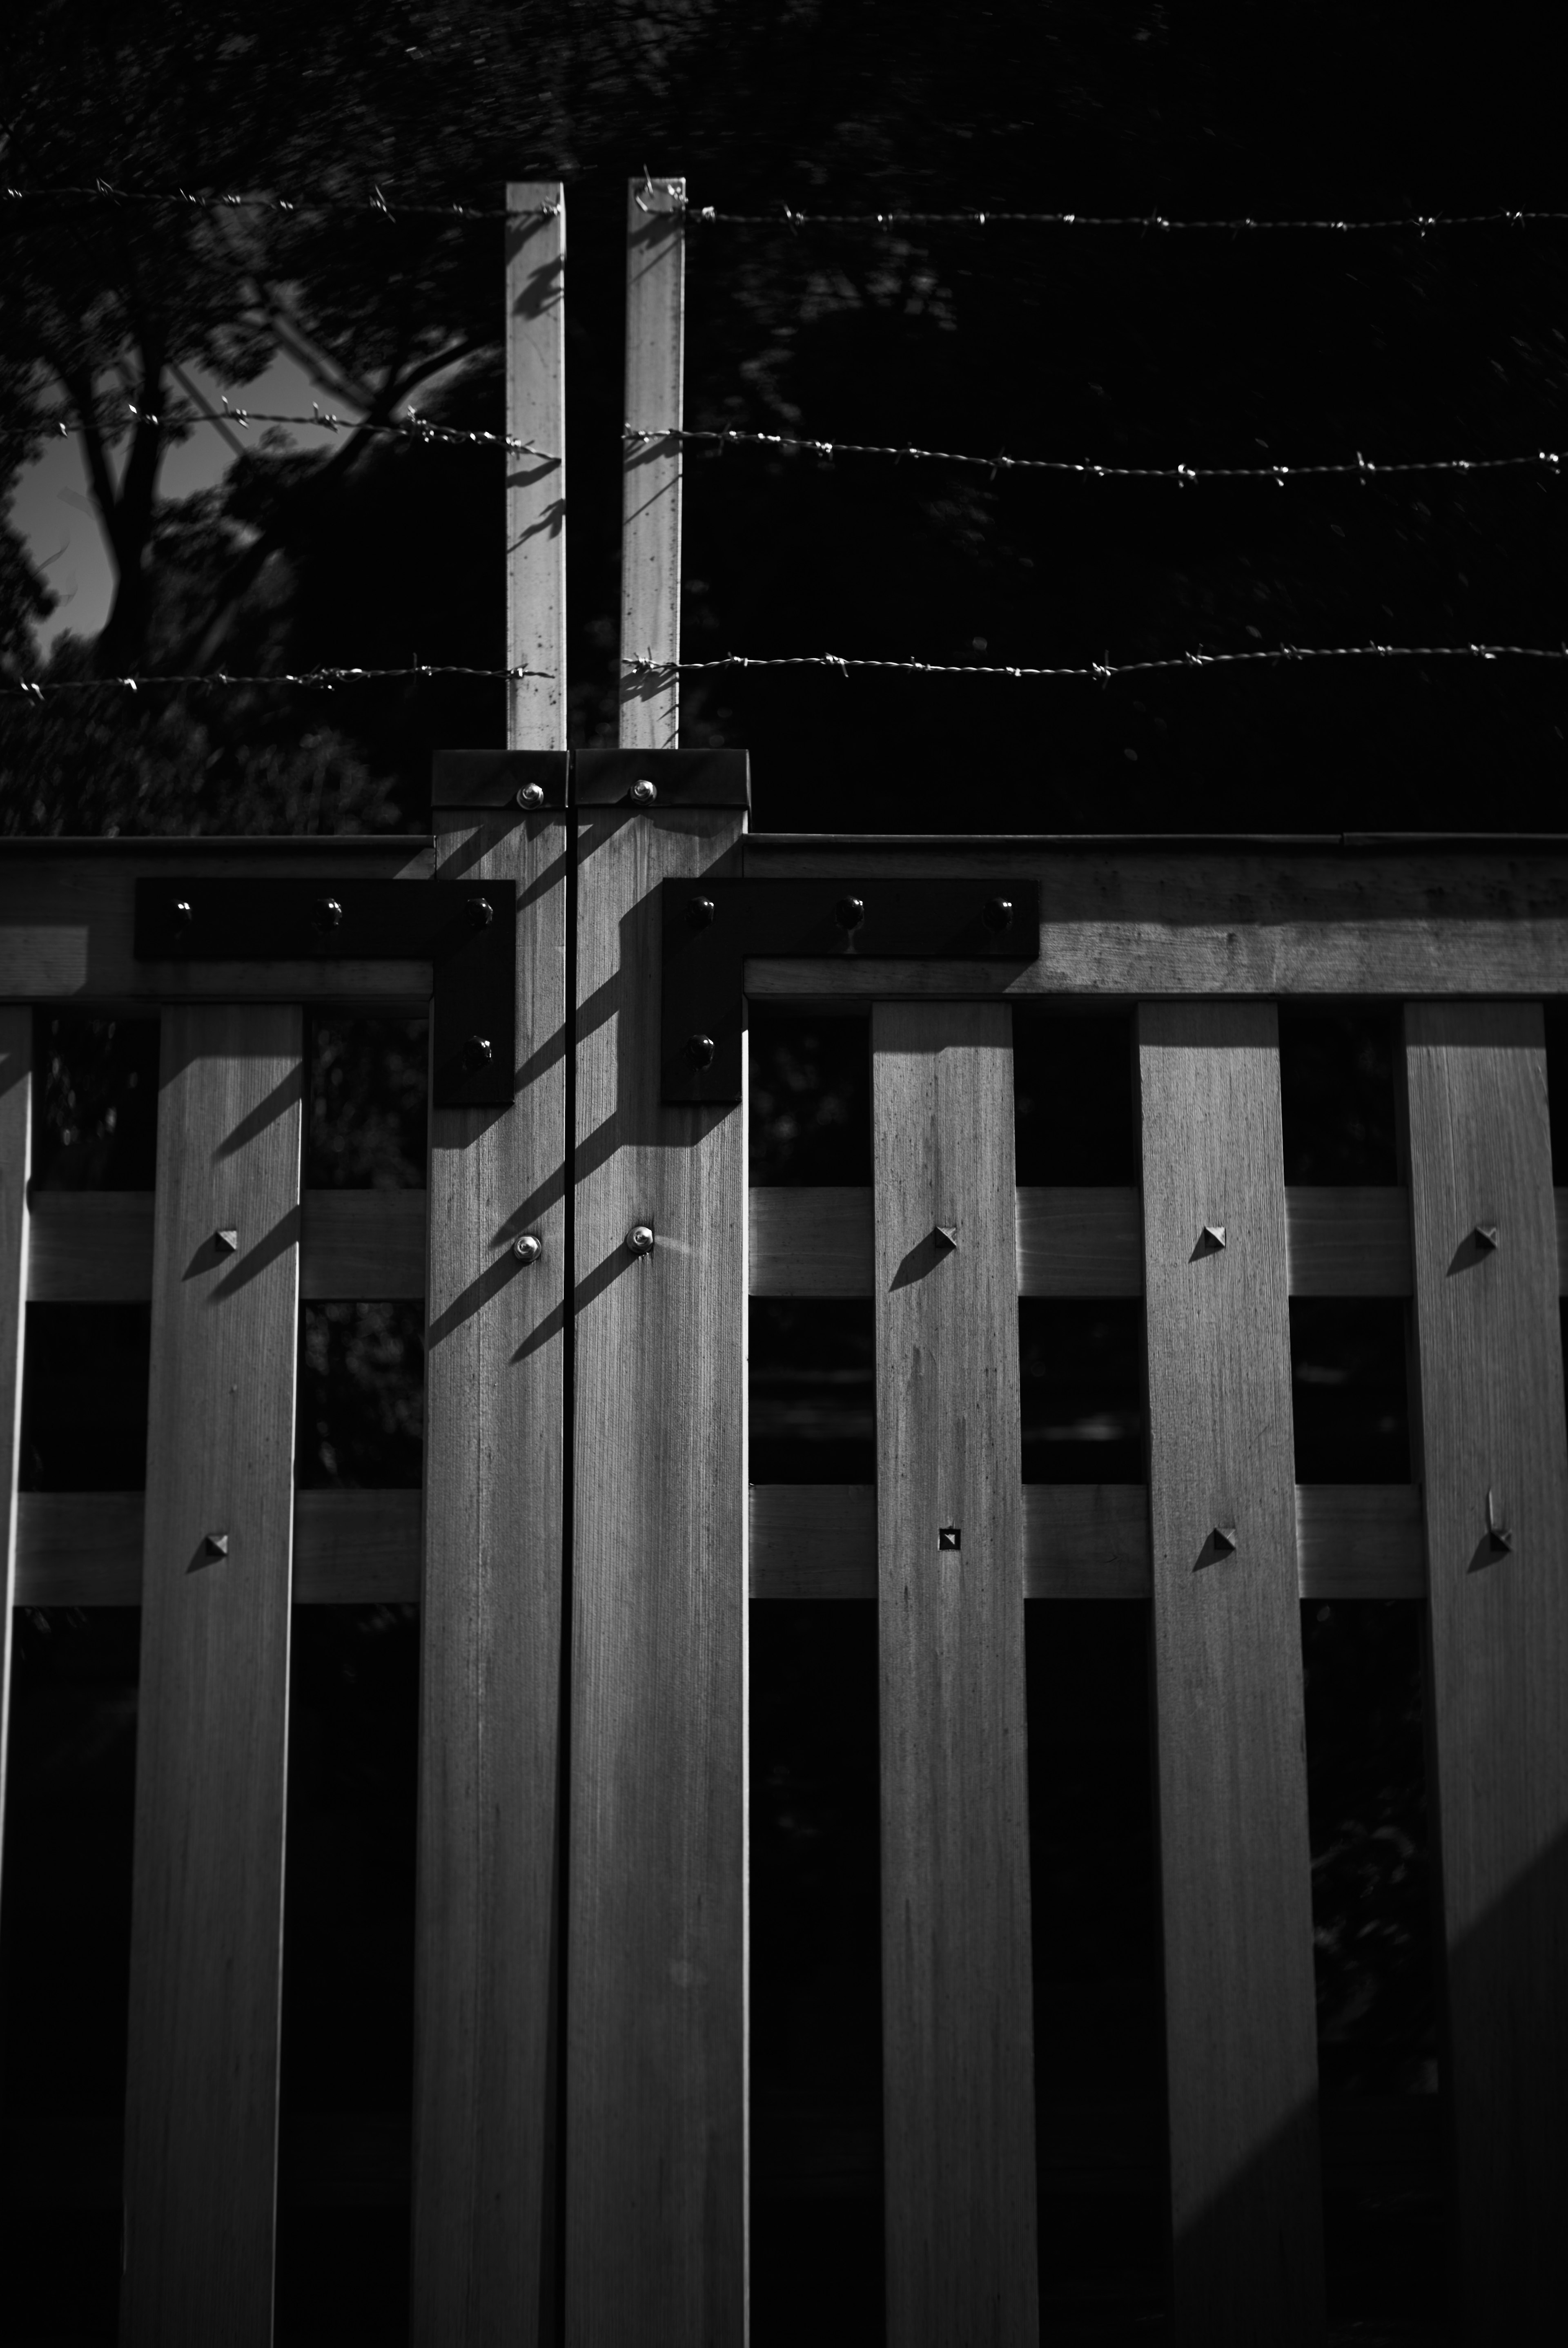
x=467, y=929
x=711, y=927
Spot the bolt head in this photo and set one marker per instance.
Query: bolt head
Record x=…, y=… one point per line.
x=699, y=1050
x=998, y=914
x=530, y=795
x=639, y=1238
x=182, y=914
x=849, y=913
x=478, y=1052
x=700, y=912
x=528, y=1249
x=479, y=913
x=327, y=913
x=644, y=792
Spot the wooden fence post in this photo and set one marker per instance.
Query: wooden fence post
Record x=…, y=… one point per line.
x=650, y=493
x=207, y=1910
x=1495, y=1487
x=491, y=1626
x=957, y=2021
x=16, y=1139
x=657, y=2183
x=1231, y=1771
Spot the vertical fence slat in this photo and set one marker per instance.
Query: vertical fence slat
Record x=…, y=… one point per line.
x=1491, y=1418
x=212, y=1719
x=15, y=1138
x=958, y=2026
x=1241, y=2044
x=656, y=2146
x=650, y=494
x=490, y=1647
x=536, y=483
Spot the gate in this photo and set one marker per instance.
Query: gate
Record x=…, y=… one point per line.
x=587, y=1544
x=587, y=931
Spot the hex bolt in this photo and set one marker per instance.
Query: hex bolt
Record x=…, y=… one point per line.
x=479, y=913
x=1486, y=1239
x=644, y=792
x=700, y=1051
x=998, y=913
x=478, y=1052
x=849, y=913
x=226, y=1243
x=530, y=795
x=700, y=912
x=327, y=913
x=639, y=1238
x=214, y=1545
x=528, y=1249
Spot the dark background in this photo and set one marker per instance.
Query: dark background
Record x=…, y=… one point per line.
x=1115, y=345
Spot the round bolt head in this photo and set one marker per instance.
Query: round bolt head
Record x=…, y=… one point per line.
x=998, y=914
x=182, y=914
x=849, y=913
x=639, y=1238
x=699, y=1050
x=528, y=1249
x=700, y=912
x=479, y=913
x=327, y=913
x=530, y=795
x=644, y=792
x=478, y=1052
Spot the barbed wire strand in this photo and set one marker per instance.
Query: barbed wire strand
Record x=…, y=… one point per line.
x=1362, y=467
x=413, y=426
x=389, y=207
x=1102, y=671
x=789, y=215
x=326, y=679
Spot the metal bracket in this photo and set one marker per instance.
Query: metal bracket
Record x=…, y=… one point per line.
x=712, y=926
x=467, y=929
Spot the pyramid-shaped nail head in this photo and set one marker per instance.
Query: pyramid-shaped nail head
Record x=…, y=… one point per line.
x=226, y=1242
x=1485, y=1238
x=946, y=1237
x=1215, y=1234
x=1223, y=1539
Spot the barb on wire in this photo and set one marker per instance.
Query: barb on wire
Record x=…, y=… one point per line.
x=376, y=202
x=30, y=689
x=411, y=427
x=1361, y=468
x=789, y=216
x=1269, y=654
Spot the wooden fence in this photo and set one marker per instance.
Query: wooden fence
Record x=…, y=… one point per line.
x=585, y=1547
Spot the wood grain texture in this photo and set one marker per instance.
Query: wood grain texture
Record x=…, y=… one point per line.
x=1085, y=1541
x=1078, y=1243
x=536, y=476
x=486, y=1918
x=1234, y=1870
x=206, y=1957
x=95, y=1247
x=656, y=2139
x=85, y=1549
x=1359, y=1541
x=66, y=923
x=1491, y=1419
x=1219, y=922
x=811, y=1242
x=650, y=466
x=16, y=1143
x=1354, y=1242
x=812, y=1541
x=957, y=1995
